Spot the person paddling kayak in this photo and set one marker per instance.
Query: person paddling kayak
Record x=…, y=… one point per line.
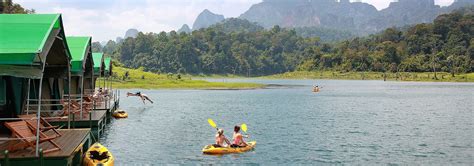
x=220, y=139
x=142, y=96
x=238, y=138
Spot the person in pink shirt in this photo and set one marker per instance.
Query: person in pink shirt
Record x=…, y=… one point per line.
x=238, y=138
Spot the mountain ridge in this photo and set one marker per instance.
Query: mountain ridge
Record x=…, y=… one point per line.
x=206, y=18
x=185, y=28
x=358, y=17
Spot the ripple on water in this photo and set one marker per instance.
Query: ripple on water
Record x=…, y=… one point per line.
x=350, y=122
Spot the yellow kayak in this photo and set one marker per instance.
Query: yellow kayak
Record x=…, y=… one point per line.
x=210, y=149
x=98, y=155
x=120, y=114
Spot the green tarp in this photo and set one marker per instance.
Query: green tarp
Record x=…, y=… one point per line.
x=98, y=63
x=25, y=42
x=23, y=36
x=108, y=65
x=78, y=48
x=20, y=71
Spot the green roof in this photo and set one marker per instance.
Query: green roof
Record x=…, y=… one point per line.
x=27, y=41
x=78, y=48
x=23, y=36
x=98, y=62
x=108, y=63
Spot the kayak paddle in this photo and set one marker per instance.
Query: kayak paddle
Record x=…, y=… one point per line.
x=211, y=122
x=244, y=127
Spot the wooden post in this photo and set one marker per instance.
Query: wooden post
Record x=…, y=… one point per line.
x=28, y=98
x=82, y=92
x=41, y=158
x=69, y=100
x=73, y=121
x=90, y=119
x=7, y=159
x=38, y=116
x=98, y=132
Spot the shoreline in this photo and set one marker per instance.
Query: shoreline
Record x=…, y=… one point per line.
x=126, y=78
x=397, y=77
x=139, y=79
x=213, y=89
x=362, y=76
x=185, y=85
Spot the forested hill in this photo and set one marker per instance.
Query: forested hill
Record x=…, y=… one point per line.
x=444, y=45
x=356, y=17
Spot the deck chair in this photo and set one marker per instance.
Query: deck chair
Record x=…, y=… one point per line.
x=91, y=101
x=75, y=108
x=85, y=108
x=99, y=97
x=20, y=129
x=32, y=121
x=72, y=108
x=88, y=101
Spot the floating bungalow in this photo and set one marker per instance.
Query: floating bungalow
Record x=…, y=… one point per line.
x=108, y=83
x=103, y=73
x=108, y=72
x=34, y=70
x=82, y=90
x=99, y=67
x=82, y=64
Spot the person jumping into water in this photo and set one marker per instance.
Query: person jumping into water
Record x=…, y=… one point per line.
x=142, y=96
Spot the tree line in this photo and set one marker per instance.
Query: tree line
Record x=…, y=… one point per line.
x=9, y=7
x=444, y=45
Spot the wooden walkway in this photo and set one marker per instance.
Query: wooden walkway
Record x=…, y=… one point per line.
x=105, y=105
x=96, y=115
x=110, y=108
x=96, y=122
x=71, y=141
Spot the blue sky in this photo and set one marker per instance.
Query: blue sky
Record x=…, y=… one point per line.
x=108, y=19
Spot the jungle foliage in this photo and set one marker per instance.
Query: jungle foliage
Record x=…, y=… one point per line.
x=444, y=45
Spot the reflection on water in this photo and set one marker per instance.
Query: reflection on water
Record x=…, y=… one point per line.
x=348, y=122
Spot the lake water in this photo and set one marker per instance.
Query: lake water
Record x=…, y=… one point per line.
x=348, y=122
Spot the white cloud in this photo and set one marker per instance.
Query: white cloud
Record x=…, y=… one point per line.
x=381, y=4
x=444, y=2
x=108, y=19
